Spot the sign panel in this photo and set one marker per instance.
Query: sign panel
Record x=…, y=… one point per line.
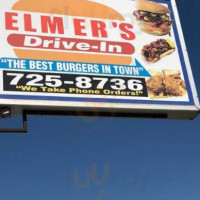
x=64, y=54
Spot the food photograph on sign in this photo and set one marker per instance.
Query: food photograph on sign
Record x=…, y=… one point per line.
x=92, y=51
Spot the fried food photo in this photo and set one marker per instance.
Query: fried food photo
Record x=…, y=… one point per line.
x=174, y=85
x=155, y=85
x=157, y=50
x=166, y=84
x=153, y=18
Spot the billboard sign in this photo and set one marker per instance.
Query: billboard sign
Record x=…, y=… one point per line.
x=117, y=56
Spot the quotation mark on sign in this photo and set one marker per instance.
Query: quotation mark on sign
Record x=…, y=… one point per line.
x=3, y=60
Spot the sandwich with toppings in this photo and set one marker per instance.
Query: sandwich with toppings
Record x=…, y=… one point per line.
x=157, y=50
x=153, y=18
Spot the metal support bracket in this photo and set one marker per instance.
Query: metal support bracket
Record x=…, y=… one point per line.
x=5, y=113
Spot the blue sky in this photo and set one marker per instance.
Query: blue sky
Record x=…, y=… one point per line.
x=141, y=159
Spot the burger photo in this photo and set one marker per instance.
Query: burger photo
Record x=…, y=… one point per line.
x=153, y=18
